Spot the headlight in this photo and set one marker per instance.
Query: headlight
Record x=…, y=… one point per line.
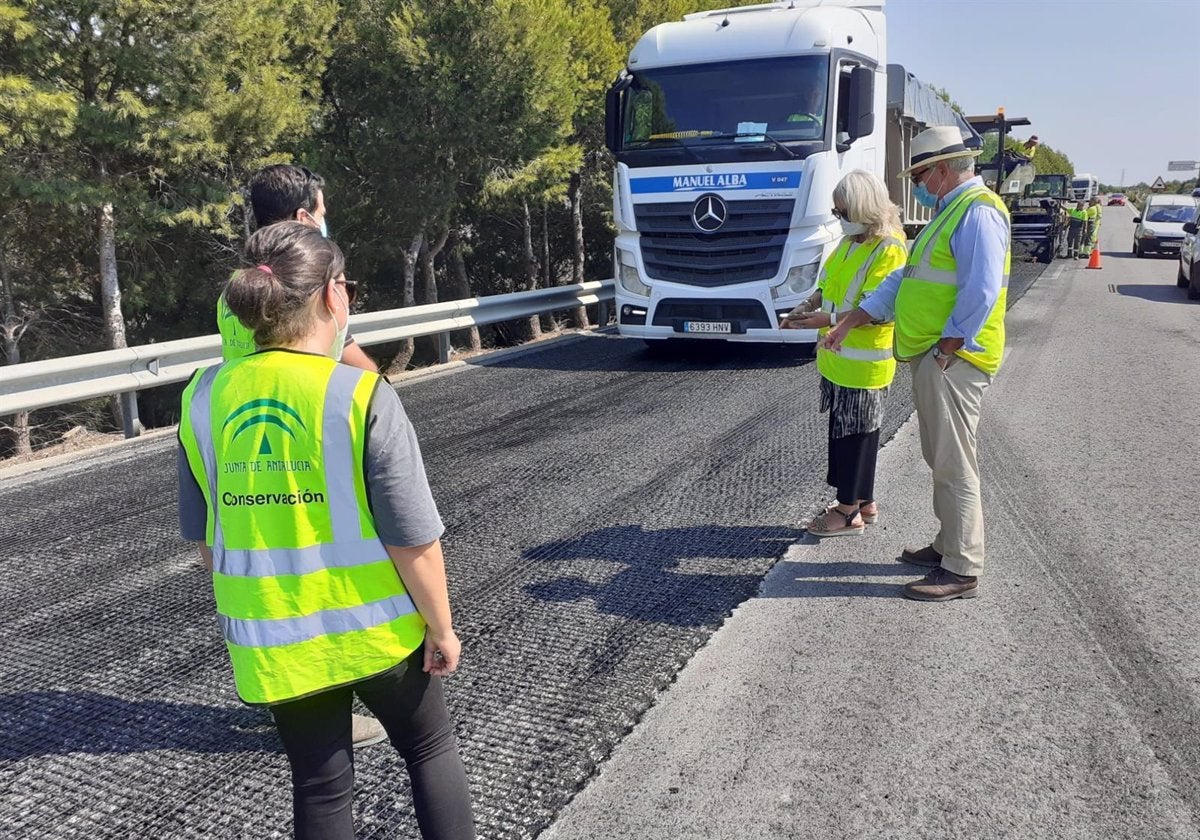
x=799, y=279
x=1148, y=234
x=627, y=274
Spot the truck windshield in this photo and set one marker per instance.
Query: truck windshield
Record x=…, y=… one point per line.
x=740, y=106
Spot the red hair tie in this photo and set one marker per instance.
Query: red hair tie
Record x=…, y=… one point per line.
x=267, y=269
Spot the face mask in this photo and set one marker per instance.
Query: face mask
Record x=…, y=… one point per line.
x=853, y=228
x=321, y=226
x=339, y=339
x=924, y=197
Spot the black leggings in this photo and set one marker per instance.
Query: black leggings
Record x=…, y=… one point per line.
x=412, y=708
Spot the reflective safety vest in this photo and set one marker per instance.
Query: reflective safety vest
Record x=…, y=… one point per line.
x=1078, y=215
x=237, y=339
x=307, y=597
x=1093, y=213
x=929, y=289
x=866, y=359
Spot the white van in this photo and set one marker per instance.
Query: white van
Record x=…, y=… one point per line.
x=1159, y=229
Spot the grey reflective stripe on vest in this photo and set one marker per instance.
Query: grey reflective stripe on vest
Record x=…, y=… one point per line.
x=268, y=562
x=269, y=632
x=201, y=417
x=337, y=451
x=860, y=277
x=864, y=355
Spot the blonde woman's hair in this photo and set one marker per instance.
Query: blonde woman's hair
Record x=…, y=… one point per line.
x=865, y=199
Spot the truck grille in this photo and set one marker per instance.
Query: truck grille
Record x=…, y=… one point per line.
x=748, y=247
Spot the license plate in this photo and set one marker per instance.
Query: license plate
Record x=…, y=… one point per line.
x=1171, y=244
x=707, y=327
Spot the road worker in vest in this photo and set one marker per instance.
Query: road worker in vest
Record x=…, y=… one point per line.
x=1077, y=225
x=854, y=382
x=284, y=193
x=1094, y=215
x=302, y=482
x=948, y=304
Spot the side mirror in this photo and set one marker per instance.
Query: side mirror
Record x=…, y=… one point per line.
x=860, y=104
x=612, y=110
x=1189, y=227
x=1136, y=219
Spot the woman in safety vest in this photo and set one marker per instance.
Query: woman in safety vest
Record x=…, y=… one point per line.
x=302, y=481
x=854, y=381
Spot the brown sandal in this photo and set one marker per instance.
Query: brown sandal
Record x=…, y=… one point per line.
x=819, y=526
x=869, y=518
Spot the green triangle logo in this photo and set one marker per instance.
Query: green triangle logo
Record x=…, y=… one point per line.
x=264, y=448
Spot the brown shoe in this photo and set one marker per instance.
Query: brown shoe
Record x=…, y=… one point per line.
x=922, y=557
x=942, y=585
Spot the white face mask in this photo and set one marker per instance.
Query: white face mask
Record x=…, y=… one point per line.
x=339, y=339
x=853, y=228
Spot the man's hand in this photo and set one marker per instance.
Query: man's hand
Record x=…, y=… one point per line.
x=832, y=341
x=948, y=347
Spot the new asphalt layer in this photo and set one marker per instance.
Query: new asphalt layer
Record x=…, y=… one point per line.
x=605, y=513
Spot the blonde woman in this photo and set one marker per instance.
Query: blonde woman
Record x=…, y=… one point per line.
x=855, y=379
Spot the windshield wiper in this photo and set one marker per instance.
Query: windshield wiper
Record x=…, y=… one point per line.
x=756, y=134
x=674, y=141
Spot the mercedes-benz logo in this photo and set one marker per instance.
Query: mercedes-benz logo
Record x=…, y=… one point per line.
x=709, y=213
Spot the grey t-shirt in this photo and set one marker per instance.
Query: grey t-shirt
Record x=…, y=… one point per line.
x=397, y=489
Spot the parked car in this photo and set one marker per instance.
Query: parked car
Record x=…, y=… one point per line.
x=1116, y=199
x=1189, y=258
x=1159, y=229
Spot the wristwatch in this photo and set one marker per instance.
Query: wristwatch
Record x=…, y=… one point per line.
x=938, y=354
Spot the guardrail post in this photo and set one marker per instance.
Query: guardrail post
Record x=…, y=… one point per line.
x=443, y=348
x=129, y=414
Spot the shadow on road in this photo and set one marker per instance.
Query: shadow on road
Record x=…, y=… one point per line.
x=42, y=723
x=651, y=585
x=1158, y=293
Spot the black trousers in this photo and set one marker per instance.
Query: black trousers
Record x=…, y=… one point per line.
x=412, y=708
x=852, y=465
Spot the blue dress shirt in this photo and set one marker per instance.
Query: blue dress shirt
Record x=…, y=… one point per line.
x=979, y=247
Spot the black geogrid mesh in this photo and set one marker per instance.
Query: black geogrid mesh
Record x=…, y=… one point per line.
x=605, y=512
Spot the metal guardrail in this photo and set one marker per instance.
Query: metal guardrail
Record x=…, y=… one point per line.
x=34, y=385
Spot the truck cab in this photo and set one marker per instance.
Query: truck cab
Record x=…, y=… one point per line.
x=730, y=129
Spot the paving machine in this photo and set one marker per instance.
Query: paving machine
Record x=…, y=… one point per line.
x=1039, y=218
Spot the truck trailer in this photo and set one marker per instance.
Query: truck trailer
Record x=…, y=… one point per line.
x=730, y=129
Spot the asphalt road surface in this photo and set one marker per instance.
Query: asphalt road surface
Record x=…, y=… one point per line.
x=605, y=513
x=1062, y=704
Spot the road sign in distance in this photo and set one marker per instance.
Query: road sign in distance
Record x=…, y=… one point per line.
x=1158, y=184
x=1183, y=165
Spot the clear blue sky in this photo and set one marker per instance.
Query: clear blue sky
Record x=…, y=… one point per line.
x=1112, y=84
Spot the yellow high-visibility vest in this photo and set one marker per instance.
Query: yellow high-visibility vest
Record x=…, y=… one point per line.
x=865, y=359
x=307, y=597
x=930, y=288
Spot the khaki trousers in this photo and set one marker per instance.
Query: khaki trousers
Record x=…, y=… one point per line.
x=948, y=404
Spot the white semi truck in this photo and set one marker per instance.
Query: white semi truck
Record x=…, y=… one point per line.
x=730, y=129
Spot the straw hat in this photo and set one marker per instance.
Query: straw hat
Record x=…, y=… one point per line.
x=935, y=144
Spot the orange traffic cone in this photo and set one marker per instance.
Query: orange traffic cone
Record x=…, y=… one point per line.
x=1094, y=259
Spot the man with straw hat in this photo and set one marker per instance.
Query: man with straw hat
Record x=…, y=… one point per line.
x=948, y=306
